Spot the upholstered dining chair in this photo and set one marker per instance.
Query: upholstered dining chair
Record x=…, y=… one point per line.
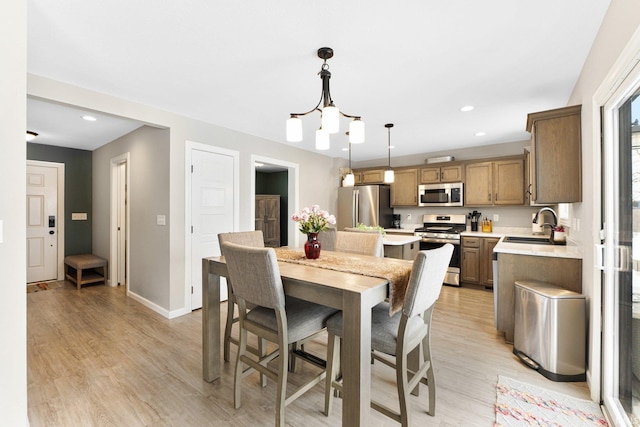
x=359, y=243
x=245, y=238
x=405, y=336
x=282, y=320
x=327, y=239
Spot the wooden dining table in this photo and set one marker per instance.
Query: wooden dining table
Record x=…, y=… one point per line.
x=354, y=294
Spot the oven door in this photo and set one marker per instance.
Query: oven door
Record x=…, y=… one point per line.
x=453, y=272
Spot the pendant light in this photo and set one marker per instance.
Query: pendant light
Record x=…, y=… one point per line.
x=329, y=113
x=349, y=179
x=389, y=176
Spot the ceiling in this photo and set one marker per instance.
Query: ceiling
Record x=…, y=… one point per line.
x=248, y=65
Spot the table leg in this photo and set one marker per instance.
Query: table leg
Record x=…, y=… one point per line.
x=210, y=324
x=356, y=365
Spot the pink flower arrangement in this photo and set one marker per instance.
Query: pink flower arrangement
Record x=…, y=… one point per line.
x=313, y=220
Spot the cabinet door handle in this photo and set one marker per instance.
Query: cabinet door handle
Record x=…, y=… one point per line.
x=496, y=197
x=489, y=197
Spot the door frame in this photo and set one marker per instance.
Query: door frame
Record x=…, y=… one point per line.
x=621, y=81
x=189, y=147
x=113, y=220
x=293, y=171
x=59, y=214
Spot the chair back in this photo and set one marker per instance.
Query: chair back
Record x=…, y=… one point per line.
x=255, y=274
x=327, y=239
x=359, y=243
x=245, y=238
x=427, y=274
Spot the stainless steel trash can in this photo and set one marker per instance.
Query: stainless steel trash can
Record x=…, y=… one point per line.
x=550, y=331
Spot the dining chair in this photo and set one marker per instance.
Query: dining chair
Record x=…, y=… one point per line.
x=359, y=243
x=276, y=318
x=246, y=238
x=327, y=239
x=405, y=336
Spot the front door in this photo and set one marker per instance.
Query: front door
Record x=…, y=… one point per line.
x=42, y=223
x=212, y=212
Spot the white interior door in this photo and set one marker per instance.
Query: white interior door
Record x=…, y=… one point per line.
x=212, y=212
x=42, y=223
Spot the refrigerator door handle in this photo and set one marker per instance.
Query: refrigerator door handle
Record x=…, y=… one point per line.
x=356, y=208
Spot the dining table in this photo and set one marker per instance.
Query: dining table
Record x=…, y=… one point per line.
x=355, y=293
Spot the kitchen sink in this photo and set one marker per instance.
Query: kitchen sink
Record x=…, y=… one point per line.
x=528, y=240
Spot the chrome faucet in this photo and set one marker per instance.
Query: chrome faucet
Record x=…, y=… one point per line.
x=555, y=220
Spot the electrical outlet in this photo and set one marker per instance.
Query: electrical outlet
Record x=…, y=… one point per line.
x=408, y=216
x=496, y=217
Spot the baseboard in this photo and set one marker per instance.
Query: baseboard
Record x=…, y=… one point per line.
x=152, y=305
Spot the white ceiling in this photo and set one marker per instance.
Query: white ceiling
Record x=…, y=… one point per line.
x=248, y=65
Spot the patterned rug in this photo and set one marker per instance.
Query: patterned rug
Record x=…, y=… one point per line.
x=43, y=286
x=521, y=404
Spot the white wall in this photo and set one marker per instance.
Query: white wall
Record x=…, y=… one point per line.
x=13, y=155
x=318, y=173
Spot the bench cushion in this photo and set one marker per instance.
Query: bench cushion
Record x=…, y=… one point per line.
x=85, y=261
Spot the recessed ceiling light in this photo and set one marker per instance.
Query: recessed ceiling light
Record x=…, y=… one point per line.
x=89, y=118
x=30, y=135
x=259, y=165
x=466, y=108
x=345, y=149
x=481, y=133
x=391, y=147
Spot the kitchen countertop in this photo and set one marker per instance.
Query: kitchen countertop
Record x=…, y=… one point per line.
x=395, y=239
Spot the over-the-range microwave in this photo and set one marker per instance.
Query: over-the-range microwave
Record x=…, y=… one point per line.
x=450, y=194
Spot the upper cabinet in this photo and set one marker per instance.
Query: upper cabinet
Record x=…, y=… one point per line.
x=368, y=176
x=404, y=189
x=499, y=182
x=434, y=175
x=555, y=161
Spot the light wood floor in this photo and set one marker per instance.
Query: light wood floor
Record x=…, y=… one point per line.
x=98, y=358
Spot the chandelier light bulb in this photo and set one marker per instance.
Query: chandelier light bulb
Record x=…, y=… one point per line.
x=331, y=119
x=322, y=139
x=356, y=131
x=294, y=129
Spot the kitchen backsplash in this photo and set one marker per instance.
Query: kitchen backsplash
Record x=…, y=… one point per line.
x=508, y=216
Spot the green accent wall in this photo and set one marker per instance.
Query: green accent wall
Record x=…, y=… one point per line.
x=77, y=192
x=276, y=183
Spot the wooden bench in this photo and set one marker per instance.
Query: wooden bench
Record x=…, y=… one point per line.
x=88, y=268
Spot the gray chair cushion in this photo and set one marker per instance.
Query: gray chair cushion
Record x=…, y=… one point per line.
x=384, y=329
x=327, y=239
x=303, y=318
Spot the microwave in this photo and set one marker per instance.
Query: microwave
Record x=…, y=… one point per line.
x=450, y=194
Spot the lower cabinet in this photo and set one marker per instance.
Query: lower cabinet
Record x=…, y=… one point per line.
x=476, y=265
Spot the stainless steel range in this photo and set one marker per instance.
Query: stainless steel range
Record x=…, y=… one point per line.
x=439, y=230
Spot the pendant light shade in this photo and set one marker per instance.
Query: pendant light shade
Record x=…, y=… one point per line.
x=349, y=180
x=389, y=176
x=356, y=131
x=322, y=139
x=330, y=114
x=294, y=129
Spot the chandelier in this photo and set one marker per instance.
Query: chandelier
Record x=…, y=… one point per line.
x=329, y=113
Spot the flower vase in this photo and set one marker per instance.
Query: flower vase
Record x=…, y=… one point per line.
x=312, y=246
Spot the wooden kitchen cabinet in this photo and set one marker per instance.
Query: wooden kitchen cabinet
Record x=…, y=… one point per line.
x=434, y=175
x=267, y=218
x=499, y=182
x=470, y=260
x=477, y=260
x=404, y=189
x=368, y=176
x=556, y=162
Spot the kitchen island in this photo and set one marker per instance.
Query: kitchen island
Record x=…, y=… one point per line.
x=401, y=246
x=558, y=265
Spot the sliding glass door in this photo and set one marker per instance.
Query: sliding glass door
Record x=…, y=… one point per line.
x=621, y=279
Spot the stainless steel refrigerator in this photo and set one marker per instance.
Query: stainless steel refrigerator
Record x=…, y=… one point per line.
x=364, y=204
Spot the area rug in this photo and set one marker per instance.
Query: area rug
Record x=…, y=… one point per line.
x=43, y=286
x=522, y=404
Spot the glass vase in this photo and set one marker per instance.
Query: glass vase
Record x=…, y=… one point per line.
x=312, y=246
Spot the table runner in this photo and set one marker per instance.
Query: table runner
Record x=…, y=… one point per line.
x=397, y=274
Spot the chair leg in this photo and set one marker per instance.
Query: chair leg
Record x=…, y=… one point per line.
x=231, y=308
x=414, y=362
x=333, y=367
x=262, y=349
x=237, y=383
x=403, y=388
x=281, y=393
x=431, y=379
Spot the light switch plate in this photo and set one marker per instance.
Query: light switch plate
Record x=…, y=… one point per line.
x=79, y=216
x=161, y=220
